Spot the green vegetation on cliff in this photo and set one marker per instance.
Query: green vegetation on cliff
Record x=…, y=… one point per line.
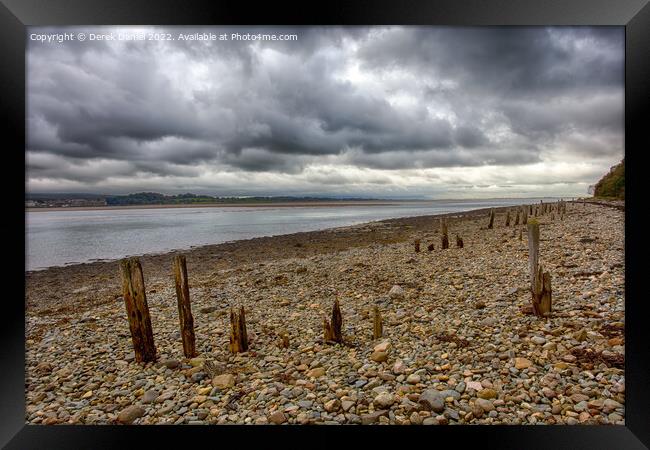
x=612, y=185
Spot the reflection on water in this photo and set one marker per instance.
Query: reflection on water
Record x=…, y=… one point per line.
x=56, y=238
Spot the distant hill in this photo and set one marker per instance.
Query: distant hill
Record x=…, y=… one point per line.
x=154, y=198
x=52, y=200
x=612, y=185
x=62, y=195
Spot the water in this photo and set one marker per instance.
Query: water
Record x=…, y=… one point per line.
x=57, y=238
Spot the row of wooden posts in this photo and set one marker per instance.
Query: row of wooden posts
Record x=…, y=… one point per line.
x=444, y=231
x=137, y=310
x=540, y=280
x=534, y=210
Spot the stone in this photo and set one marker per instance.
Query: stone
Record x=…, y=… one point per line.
x=332, y=405
x=386, y=376
x=580, y=406
x=44, y=367
x=596, y=404
x=569, y=358
x=204, y=391
x=487, y=394
x=223, y=381
x=197, y=362
x=580, y=335
x=129, y=414
x=548, y=392
x=451, y=414
x=413, y=379
x=277, y=418
x=614, y=417
x=584, y=416
x=610, y=405
x=382, y=347
x=316, y=372
x=538, y=340
x=450, y=393
x=384, y=400
x=346, y=404
x=615, y=341
x=486, y=405
x=149, y=396
x=577, y=398
x=171, y=363
x=396, y=293
x=415, y=418
x=477, y=386
x=399, y=367
x=432, y=400
x=522, y=363
x=367, y=419
x=379, y=356
x=489, y=322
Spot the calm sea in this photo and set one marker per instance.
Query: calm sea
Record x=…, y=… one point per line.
x=58, y=238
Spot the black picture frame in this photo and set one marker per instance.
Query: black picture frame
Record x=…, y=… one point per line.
x=15, y=15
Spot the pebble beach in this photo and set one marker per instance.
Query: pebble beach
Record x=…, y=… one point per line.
x=459, y=345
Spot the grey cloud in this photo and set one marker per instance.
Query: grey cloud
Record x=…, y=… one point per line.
x=470, y=137
x=172, y=108
x=522, y=60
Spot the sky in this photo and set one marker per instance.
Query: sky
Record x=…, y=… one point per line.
x=376, y=112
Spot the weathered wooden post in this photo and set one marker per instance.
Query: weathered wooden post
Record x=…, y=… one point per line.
x=416, y=243
x=530, y=209
x=524, y=216
x=491, y=224
x=517, y=217
x=377, y=326
x=508, y=217
x=540, y=281
x=238, y=335
x=137, y=310
x=184, y=307
x=332, y=330
x=443, y=231
x=459, y=242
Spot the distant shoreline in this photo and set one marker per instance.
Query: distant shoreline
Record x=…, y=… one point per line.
x=326, y=203
x=228, y=205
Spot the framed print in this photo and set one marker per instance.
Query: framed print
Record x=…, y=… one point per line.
x=365, y=213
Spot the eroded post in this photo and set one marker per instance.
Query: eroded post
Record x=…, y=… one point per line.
x=184, y=308
x=137, y=310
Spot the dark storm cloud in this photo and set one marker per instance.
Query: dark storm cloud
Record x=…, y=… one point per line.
x=387, y=98
x=518, y=60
